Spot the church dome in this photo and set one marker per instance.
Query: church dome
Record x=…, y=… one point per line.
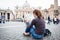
x=26, y=4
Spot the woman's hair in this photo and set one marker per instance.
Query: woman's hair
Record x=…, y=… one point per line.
x=37, y=13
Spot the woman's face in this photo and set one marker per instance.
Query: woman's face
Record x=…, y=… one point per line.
x=34, y=15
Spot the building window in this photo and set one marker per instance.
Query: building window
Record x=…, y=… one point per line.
x=55, y=11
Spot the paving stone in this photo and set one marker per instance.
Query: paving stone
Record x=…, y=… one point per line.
x=14, y=31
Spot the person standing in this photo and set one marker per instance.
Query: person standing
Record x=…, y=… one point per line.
x=3, y=17
x=0, y=19
x=55, y=20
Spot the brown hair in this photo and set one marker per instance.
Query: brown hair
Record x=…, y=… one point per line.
x=38, y=13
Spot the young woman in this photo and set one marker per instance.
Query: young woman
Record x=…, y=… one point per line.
x=37, y=27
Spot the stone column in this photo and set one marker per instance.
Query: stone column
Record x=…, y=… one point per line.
x=56, y=7
x=6, y=17
x=56, y=4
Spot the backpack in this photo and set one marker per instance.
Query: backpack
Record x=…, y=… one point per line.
x=47, y=33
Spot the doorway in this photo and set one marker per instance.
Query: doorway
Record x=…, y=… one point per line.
x=8, y=16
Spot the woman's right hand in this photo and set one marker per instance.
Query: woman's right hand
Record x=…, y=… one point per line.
x=25, y=21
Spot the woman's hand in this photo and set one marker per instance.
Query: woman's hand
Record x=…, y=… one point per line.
x=25, y=21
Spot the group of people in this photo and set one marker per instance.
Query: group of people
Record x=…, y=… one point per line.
x=55, y=20
x=36, y=28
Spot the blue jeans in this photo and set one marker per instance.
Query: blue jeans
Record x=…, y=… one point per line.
x=33, y=34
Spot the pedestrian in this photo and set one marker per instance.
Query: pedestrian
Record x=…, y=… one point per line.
x=43, y=17
x=0, y=18
x=3, y=18
x=37, y=27
x=55, y=20
x=49, y=20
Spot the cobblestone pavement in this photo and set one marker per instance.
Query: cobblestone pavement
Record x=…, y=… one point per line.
x=14, y=31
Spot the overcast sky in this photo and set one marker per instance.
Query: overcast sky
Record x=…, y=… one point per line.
x=4, y=4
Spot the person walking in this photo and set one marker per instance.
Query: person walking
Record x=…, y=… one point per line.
x=49, y=20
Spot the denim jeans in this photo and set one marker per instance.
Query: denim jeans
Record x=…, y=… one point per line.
x=33, y=34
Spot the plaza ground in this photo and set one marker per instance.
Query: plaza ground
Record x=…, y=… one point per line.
x=14, y=31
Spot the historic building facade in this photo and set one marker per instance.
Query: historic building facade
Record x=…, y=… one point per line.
x=22, y=12
x=26, y=9
x=7, y=13
x=50, y=12
x=53, y=11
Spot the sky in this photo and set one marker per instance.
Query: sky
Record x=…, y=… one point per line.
x=4, y=4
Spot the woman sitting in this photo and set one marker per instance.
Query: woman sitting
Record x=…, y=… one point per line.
x=37, y=27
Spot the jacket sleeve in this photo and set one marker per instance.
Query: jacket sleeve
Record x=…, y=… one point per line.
x=32, y=23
